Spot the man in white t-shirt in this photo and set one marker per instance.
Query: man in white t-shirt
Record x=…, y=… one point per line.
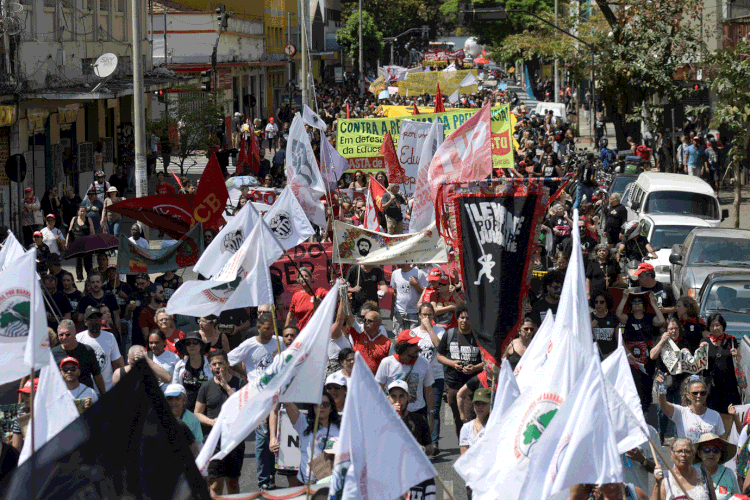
x=256, y=353
x=83, y=395
x=53, y=238
x=408, y=283
x=429, y=339
x=406, y=364
x=103, y=343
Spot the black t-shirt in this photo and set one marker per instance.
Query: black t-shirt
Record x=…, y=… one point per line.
x=86, y=361
x=192, y=380
x=616, y=217
x=74, y=298
x=369, y=283
x=604, y=332
x=214, y=396
x=636, y=248
x=540, y=308
x=694, y=328
x=236, y=317
x=586, y=174
x=561, y=224
x=170, y=286
x=59, y=277
x=417, y=425
x=107, y=299
x=587, y=244
x=115, y=291
x=394, y=209
x=602, y=276
x=638, y=336
x=456, y=346
x=62, y=307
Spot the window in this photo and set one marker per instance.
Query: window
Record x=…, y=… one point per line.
x=682, y=203
x=50, y=3
x=91, y=5
x=87, y=66
x=104, y=5
x=669, y=236
x=120, y=5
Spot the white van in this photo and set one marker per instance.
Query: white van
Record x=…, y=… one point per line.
x=557, y=108
x=655, y=193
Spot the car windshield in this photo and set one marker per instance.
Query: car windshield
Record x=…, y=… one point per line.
x=720, y=251
x=620, y=183
x=668, y=236
x=682, y=203
x=729, y=296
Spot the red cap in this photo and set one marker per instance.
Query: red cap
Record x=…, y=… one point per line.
x=643, y=268
x=271, y=119
x=407, y=337
x=38, y=233
x=444, y=280
x=435, y=274
x=28, y=190
x=69, y=359
x=51, y=216
x=26, y=389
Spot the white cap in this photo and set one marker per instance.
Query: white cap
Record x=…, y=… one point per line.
x=337, y=378
x=174, y=390
x=401, y=384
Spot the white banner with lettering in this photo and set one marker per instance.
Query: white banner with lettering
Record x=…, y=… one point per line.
x=410, y=141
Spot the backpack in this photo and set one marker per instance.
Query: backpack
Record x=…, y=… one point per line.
x=713, y=158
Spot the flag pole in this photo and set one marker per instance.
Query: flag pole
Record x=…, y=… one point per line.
x=656, y=451
x=445, y=488
x=276, y=327
x=309, y=470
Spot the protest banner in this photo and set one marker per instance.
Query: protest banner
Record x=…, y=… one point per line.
x=420, y=83
x=289, y=455
x=132, y=259
x=359, y=245
x=409, y=150
x=264, y=195
x=367, y=164
x=391, y=111
x=363, y=137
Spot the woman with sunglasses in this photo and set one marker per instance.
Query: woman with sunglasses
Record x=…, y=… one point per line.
x=693, y=418
x=193, y=370
x=311, y=446
x=518, y=345
x=688, y=312
x=670, y=484
x=710, y=452
x=603, y=322
x=360, y=181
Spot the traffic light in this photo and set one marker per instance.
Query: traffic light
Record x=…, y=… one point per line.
x=696, y=86
x=222, y=17
x=425, y=32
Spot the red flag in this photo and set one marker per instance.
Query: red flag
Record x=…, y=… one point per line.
x=254, y=151
x=169, y=213
x=416, y=111
x=241, y=159
x=211, y=195
x=394, y=171
x=347, y=110
x=373, y=208
x=179, y=182
x=439, y=105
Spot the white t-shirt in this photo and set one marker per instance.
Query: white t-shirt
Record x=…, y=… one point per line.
x=468, y=436
x=168, y=360
x=335, y=346
x=428, y=350
x=106, y=350
x=256, y=356
x=271, y=130
x=82, y=392
x=141, y=242
x=417, y=376
x=49, y=239
x=693, y=426
x=406, y=295
x=306, y=445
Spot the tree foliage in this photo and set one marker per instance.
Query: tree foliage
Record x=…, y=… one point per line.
x=348, y=38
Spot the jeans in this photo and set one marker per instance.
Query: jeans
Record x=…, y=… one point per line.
x=113, y=227
x=581, y=191
x=263, y=457
x=404, y=321
x=438, y=387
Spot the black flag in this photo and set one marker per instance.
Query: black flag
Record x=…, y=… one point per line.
x=127, y=445
x=496, y=233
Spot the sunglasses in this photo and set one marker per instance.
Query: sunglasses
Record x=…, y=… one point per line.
x=699, y=393
x=69, y=369
x=333, y=387
x=370, y=320
x=556, y=287
x=325, y=404
x=192, y=342
x=600, y=302
x=711, y=449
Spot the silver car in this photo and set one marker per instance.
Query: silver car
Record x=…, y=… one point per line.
x=707, y=250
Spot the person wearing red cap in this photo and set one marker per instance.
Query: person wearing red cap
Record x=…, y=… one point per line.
x=406, y=364
x=647, y=281
x=42, y=252
x=83, y=395
x=30, y=206
x=444, y=300
x=271, y=130
x=20, y=426
x=51, y=236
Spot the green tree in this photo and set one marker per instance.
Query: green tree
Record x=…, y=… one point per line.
x=372, y=43
x=729, y=73
x=187, y=125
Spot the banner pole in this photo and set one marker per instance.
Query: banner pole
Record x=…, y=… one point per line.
x=656, y=451
x=309, y=471
x=445, y=488
x=276, y=327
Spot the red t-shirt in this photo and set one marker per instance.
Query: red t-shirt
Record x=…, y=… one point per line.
x=302, y=306
x=146, y=319
x=165, y=188
x=176, y=335
x=446, y=320
x=372, y=350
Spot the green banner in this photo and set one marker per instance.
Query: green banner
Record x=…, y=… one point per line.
x=363, y=137
x=132, y=259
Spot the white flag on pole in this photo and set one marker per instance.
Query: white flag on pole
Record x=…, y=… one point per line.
x=507, y=390
x=423, y=210
x=227, y=242
x=371, y=222
x=248, y=407
x=332, y=164
x=625, y=404
x=453, y=98
x=528, y=368
x=311, y=118
x=303, y=174
x=469, y=79
x=579, y=445
x=54, y=409
x=11, y=250
x=378, y=457
x=288, y=221
x=23, y=321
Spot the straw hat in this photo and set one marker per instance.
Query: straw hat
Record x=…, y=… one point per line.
x=728, y=450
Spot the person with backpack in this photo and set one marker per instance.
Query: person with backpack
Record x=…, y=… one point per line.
x=586, y=182
x=606, y=155
x=713, y=164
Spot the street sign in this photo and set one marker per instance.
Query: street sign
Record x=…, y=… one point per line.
x=290, y=50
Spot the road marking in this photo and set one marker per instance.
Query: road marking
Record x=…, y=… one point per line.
x=449, y=487
x=447, y=414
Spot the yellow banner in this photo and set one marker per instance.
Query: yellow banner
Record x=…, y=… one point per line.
x=7, y=116
x=420, y=83
x=363, y=137
x=404, y=111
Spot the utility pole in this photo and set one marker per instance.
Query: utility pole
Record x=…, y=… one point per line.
x=361, y=63
x=139, y=119
x=556, y=69
x=303, y=42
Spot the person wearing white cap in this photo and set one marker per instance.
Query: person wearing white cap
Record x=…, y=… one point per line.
x=177, y=399
x=336, y=386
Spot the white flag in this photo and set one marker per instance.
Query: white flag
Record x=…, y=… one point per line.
x=311, y=118
x=469, y=79
x=578, y=445
x=332, y=164
x=303, y=174
x=536, y=355
x=248, y=407
x=378, y=457
x=23, y=321
x=507, y=390
x=288, y=221
x=372, y=221
x=11, y=250
x=450, y=68
x=54, y=409
x=625, y=404
x=423, y=210
x=227, y=242
x=453, y=98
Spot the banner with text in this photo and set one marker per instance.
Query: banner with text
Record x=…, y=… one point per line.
x=450, y=81
x=496, y=234
x=409, y=150
x=363, y=137
x=132, y=259
x=362, y=246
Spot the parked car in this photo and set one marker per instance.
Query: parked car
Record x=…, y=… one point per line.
x=728, y=293
x=655, y=193
x=664, y=232
x=707, y=250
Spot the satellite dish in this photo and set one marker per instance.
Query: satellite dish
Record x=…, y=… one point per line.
x=105, y=65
